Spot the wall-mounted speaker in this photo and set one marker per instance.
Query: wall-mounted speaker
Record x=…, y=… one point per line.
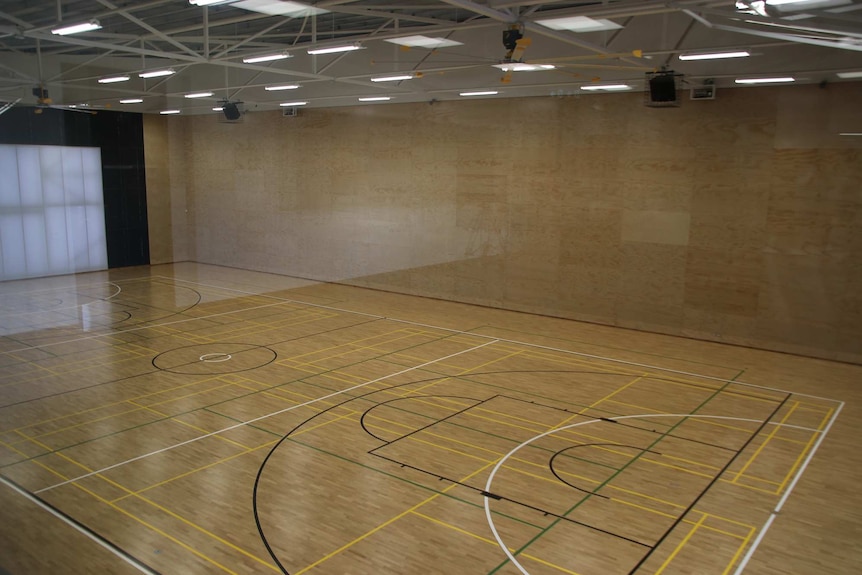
x=662, y=89
x=231, y=112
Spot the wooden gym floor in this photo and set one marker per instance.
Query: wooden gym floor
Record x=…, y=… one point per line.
x=195, y=419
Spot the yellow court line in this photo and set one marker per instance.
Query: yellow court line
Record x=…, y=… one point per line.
x=660, y=377
x=680, y=545
x=259, y=328
x=165, y=510
x=492, y=542
x=802, y=455
x=355, y=342
x=390, y=521
x=775, y=429
x=135, y=517
x=689, y=521
x=223, y=460
x=739, y=551
x=120, y=413
x=87, y=365
x=113, y=403
x=174, y=419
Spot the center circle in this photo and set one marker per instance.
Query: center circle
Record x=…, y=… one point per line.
x=214, y=358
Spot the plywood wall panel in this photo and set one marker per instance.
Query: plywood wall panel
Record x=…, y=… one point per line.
x=727, y=219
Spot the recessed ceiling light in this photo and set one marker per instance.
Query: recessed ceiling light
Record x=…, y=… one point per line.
x=279, y=7
x=199, y=95
x=156, y=73
x=392, y=78
x=765, y=80
x=482, y=93
x=375, y=99
x=168, y=112
x=266, y=58
x=292, y=104
x=849, y=74
x=131, y=101
x=77, y=28
x=607, y=87
x=334, y=49
x=112, y=79
x=424, y=42
x=579, y=24
x=715, y=55
x=523, y=67
x=281, y=87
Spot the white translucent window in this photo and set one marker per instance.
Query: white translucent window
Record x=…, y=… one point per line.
x=52, y=217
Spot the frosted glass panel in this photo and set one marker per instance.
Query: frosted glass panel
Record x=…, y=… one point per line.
x=51, y=211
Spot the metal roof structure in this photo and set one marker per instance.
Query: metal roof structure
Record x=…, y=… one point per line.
x=599, y=42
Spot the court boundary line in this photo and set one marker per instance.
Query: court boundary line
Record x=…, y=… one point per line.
x=79, y=527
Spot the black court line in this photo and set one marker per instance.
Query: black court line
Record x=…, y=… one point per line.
x=700, y=495
x=367, y=411
x=587, y=491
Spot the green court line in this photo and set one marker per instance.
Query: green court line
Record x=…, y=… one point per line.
x=609, y=479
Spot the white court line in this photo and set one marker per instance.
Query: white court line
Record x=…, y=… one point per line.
x=518, y=342
x=744, y=562
x=80, y=528
x=291, y=408
x=756, y=542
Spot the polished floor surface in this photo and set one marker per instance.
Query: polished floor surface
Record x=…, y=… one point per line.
x=196, y=419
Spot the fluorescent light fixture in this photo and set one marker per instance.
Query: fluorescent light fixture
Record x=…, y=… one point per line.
x=579, y=24
x=715, y=55
x=424, y=42
x=393, y=78
x=208, y=2
x=77, y=28
x=523, y=67
x=281, y=87
x=112, y=79
x=131, y=101
x=168, y=112
x=780, y=2
x=850, y=74
x=485, y=93
x=218, y=109
x=335, y=49
x=199, y=95
x=850, y=134
x=156, y=73
x=292, y=104
x=266, y=58
x=375, y=99
x=607, y=87
x=279, y=8
x=765, y=80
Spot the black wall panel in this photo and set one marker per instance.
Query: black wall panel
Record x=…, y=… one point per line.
x=120, y=135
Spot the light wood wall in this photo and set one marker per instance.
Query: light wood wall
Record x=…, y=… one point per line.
x=736, y=220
